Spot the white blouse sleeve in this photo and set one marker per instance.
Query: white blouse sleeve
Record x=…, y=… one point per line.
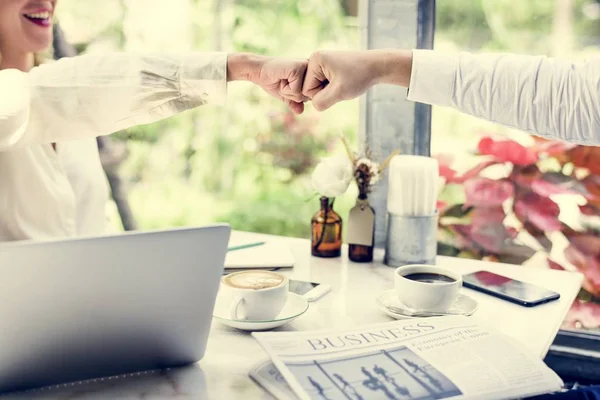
x=90, y=96
x=544, y=96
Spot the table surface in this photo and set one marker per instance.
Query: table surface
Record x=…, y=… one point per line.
x=223, y=372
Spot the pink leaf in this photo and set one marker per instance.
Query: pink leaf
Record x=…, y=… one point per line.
x=592, y=186
x=588, y=266
x=555, y=265
x=592, y=279
x=444, y=159
x=539, y=235
x=563, y=184
x=583, y=314
x=589, y=210
x=507, y=151
x=445, y=169
x=487, y=215
x=586, y=157
x=475, y=171
x=540, y=211
x=487, y=230
x=441, y=205
x=524, y=176
x=447, y=173
x=588, y=244
x=463, y=235
x=487, y=192
x=512, y=232
x=575, y=257
x=547, y=189
x=491, y=237
x=551, y=148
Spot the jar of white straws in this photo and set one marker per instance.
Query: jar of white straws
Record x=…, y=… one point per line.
x=411, y=211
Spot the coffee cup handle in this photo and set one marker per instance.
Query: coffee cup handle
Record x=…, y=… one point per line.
x=235, y=307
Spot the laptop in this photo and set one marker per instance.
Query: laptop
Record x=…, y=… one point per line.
x=93, y=307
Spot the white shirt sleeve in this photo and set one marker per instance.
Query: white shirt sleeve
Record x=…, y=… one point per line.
x=543, y=96
x=90, y=96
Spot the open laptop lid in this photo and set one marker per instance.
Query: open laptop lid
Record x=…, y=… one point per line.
x=85, y=308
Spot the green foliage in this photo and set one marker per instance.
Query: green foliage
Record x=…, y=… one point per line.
x=247, y=163
x=276, y=209
x=287, y=27
x=513, y=26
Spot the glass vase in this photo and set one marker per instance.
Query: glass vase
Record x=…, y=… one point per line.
x=326, y=227
x=361, y=231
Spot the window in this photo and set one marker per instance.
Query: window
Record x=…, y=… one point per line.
x=247, y=163
x=560, y=184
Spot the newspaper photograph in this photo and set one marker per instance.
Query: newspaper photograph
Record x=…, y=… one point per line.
x=432, y=358
x=266, y=374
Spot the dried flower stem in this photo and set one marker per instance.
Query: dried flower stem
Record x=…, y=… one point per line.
x=387, y=161
x=351, y=155
x=363, y=176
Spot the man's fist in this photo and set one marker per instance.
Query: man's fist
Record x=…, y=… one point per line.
x=333, y=76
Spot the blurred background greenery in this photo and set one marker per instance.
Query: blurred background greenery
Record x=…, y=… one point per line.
x=249, y=163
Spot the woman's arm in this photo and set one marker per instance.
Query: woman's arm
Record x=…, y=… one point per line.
x=546, y=97
x=98, y=95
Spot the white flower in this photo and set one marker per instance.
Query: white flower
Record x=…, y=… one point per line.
x=332, y=176
x=373, y=170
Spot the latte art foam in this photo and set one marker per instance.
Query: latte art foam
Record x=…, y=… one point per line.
x=254, y=280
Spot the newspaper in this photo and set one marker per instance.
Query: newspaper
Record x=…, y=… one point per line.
x=268, y=376
x=426, y=358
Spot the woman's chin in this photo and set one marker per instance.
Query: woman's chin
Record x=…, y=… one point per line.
x=39, y=41
x=40, y=45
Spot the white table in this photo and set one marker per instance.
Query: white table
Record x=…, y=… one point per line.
x=223, y=373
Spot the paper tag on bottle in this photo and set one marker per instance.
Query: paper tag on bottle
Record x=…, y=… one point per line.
x=361, y=222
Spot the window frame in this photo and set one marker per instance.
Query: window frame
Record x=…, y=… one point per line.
x=388, y=121
x=425, y=40
x=574, y=354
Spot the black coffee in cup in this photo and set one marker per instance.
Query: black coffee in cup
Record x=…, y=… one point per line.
x=429, y=277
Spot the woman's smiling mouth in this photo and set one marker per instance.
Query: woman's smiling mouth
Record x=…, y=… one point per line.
x=42, y=18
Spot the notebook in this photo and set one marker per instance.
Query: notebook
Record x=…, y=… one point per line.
x=272, y=254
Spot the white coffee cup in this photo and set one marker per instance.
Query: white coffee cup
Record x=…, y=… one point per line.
x=255, y=295
x=429, y=293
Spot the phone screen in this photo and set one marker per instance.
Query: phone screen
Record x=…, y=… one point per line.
x=508, y=287
x=302, y=287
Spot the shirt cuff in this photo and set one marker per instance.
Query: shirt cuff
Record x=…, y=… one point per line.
x=433, y=77
x=203, y=77
x=14, y=107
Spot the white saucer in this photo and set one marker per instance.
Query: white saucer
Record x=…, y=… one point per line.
x=463, y=305
x=294, y=307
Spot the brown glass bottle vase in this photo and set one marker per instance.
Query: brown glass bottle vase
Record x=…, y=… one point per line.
x=326, y=227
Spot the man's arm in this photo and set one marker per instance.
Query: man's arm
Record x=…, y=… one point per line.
x=544, y=96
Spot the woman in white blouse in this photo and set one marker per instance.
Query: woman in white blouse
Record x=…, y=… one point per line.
x=556, y=99
x=51, y=180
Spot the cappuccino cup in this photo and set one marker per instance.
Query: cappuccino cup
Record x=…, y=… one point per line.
x=427, y=287
x=255, y=295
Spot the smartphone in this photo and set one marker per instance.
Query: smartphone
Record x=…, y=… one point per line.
x=311, y=291
x=509, y=289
